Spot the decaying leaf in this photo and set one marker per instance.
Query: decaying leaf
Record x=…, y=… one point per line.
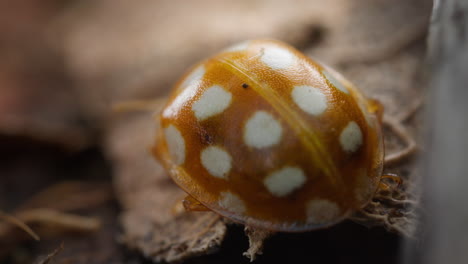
x=186, y=235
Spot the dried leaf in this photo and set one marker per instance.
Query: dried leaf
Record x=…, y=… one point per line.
x=185, y=236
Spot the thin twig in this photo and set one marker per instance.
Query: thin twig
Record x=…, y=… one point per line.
x=17, y=222
x=52, y=255
x=65, y=220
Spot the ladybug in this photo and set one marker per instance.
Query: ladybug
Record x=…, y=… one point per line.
x=267, y=137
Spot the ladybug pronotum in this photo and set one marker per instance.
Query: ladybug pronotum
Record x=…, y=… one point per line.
x=269, y=138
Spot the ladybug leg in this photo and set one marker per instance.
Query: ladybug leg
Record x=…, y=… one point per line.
x=190, y=205
x=393, y=177
x=375, y=107
x=389, y=182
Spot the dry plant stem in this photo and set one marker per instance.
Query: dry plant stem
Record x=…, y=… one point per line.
x=17, y=222
x=52, y=255
x=61, y=220
x=44, y=209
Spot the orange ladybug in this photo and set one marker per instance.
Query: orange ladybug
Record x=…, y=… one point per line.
x=269, y=138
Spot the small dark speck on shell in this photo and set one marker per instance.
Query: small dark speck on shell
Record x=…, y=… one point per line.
x=205, y=137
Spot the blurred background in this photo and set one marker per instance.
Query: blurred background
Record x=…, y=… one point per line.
x=79, y=173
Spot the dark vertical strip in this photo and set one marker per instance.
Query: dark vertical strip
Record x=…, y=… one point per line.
x=443, y=237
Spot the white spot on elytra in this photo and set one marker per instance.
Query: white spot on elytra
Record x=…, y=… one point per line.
x=262, y=130
x=322, y=211
x=277, y=58
x=212, y=102
x=217, y=161
x=175, y=144
x=309, y=99
x=284, y=181
x=241, y=46
x=194, y=77
x=351, y=137
x=335, y=82
x=231, y=202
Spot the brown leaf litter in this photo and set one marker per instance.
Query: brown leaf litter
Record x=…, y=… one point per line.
x=45, y=216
